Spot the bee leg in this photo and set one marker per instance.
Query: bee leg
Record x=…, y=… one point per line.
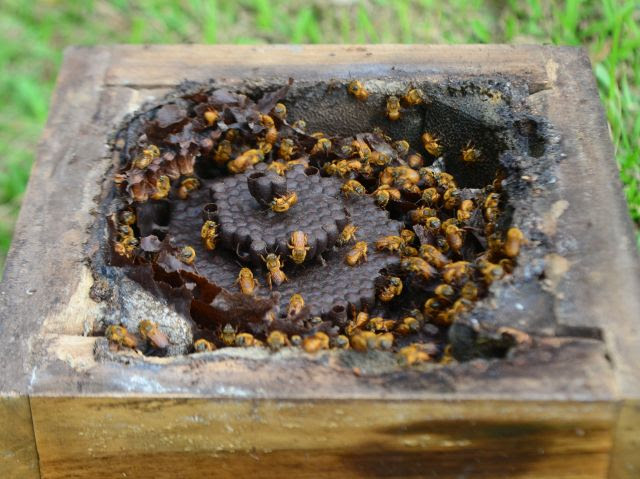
x=322, y=261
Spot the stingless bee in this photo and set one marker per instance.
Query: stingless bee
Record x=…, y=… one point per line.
x=202, y=346
x=187, y=255
x=246, y=282
x=393, y=108
x=119, y=336
x=275, y=275
x=357, y=254
x=357, y=89
x=352, y=187
x=152, y=334
x=431, y=144
x=281, y=204
x=209, y=234
x=347, y=235
x=298, y=244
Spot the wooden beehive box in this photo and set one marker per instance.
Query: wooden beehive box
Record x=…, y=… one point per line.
x=570, y=407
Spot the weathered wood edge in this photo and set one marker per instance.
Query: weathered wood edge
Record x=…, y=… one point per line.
x=607, y=229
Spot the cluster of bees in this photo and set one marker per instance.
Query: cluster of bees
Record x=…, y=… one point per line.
x=450, y=250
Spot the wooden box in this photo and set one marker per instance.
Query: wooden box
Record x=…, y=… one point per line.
x=568, y=408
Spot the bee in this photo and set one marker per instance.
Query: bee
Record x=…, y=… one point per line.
x=127, y=217
x=415, y=161
x=148, y=155
x=264, y=147
x=316, y=342
x=432, y=307
x=379, y=159
x=454, y=238
x=245, y=160
x=464, y=211
x=340, y=342
x=380, y=324
x=120, y=336
x=295, y=340
x=414, y=96
x=447, y=356
x=278, y=167
x=222, y=153
x=387, y=176
x=364, y=340
x=125, y=232
x=352, y=187
x=299, y=125
x=286, y=149
x=393, y=244
x=232, y=135
x=275, y=275
x=445, y=293
x=512, y=244
x=126, y=247
x=296, y=304
x=245, y=340
x=361, y=148
x=228, y=335
x=458, y=272
x=492, y=272
x=393, y=108
x=281, y=204
x=441, y=244
x=431, y=144
x=277, y=340
x=298, y=246
x=451, y=198
x=470, y=154
x=409, y=324
x=392, y=289
x=347, y=235
x=246, y=281
x=402, y=147
x=323, y=145
x=494, y=243
x=430, y=196
x=360, y=320
x=202, y=345
x=384, y=341
x=409, y=251
x=280, y=111
x=271, y=134
x=433, y=224
x=405, y=174
x=211, y=116
x=492, y=200
x=150, y=333
x=357, y=254
x=433, y=256
x=414, y=354
x=414, y=264
x=163, y=186
x=209, y=234
x=187, y=255
x=428, y=176
x=187, y=186
x=408, y=236
x=469, y=291
x=421, y=214
x=445, y=180
x=357, y=89
x=342, y=168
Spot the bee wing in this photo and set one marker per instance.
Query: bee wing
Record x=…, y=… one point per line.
x=158, y=339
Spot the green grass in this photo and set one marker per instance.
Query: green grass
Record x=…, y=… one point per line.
x=35, y=33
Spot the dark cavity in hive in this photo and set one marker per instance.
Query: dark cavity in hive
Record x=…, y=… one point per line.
x=248, y=229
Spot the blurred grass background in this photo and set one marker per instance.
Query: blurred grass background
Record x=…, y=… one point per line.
x=34, y=35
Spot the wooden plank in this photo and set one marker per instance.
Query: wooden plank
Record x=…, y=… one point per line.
x=164, y=437
x=168, y=65
x=18, y=456
x=625, y=460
